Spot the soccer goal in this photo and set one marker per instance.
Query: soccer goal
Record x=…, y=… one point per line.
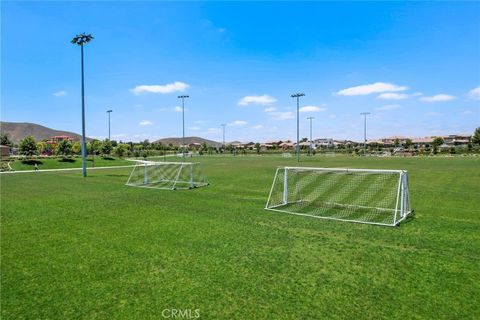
x=357, y=195
x=167, y=175
x=286, y=155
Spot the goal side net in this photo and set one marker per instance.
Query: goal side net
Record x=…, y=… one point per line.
x=357, y=195
x=167, y=175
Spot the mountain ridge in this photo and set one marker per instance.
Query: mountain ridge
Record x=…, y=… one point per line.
x=18, y=130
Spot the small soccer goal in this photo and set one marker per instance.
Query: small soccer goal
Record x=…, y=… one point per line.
x=357, y=195
x=167, y=175
x=286, y=155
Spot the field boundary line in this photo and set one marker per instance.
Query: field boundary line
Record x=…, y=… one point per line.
x=65, y=169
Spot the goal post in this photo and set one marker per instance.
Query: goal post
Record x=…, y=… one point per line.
x=166, y=175
x=357, y=195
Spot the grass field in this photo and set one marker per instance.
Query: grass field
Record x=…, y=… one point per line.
x=46, y=163
x=94, y=248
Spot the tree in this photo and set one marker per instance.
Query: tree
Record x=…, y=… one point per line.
x=107, y=147
x=28, y=146
x=408, y=143
x=77, y=147
x=5, y=140
x=397, y=142
x=94, y=147
x=41, y=147
x=64, y=148
x=121, y=149
x=257, y=147
x=438, y=141
x=476, y=136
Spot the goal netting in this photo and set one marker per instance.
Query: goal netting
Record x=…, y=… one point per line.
x=167, y=175
x=356, y=195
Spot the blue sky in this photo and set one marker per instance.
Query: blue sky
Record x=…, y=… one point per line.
x=414, y=66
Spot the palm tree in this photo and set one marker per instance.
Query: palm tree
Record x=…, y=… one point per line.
x=81, y=40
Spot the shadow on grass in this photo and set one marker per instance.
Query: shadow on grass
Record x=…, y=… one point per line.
x=32, y=162
x=108, y=158
x=410, y=218
x=70, y=160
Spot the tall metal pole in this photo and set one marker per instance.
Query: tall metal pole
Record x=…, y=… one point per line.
x=80, y=40
x=84, y=145
x=109, y=111
x=183, y=124
x=365, y=132
x=223, y=141
x=311, y=141
x=298, y=95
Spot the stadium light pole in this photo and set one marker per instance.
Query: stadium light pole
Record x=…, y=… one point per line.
x=364, y=114
x=311, y=118
x=183, y=123
x=109, y=112
x=298, y=95
x=223, y=141
x=81, y=40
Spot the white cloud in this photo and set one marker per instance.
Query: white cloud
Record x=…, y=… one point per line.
x=393, y=96
x=213, y=130
x=163, y=89
x=467, y=112
x=60, y=93
x=282, y=115
x=389, y=107
x=433, y=114
x=263, y=100
x=200, y=122
x=146, y=123
x=222, y=30
x=237, y=123
x=332, y=116
x=258, y=127
x=438, y=98
x=194, y=128
x=177, y=109
x=474, y=93
x=270, y=109
x=312, y=109
x=376, y=87
x=119, y=136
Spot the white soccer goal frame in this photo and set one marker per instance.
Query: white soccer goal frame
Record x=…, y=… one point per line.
x=194, y=179
x=402, y=204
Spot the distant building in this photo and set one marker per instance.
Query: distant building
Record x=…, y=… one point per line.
x=286, y=145
x=4, y=151
x=326, y=143
x=456, y=139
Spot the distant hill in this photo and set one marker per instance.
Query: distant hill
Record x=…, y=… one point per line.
x=188, y=140
x=18, y=130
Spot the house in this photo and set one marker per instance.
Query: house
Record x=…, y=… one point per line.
x=194, y=145
x=237, y=145
x=57, y=139
x=287, y=145
x=375, y=143
x=4, y=151
x=422, y=141
x=457, y=139
x=390, y=141
x=326, y=143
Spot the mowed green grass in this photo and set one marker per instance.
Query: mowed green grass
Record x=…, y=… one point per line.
x=74, y=248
